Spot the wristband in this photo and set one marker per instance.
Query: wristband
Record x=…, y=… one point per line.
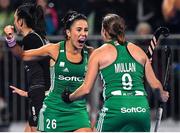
x=11, y=42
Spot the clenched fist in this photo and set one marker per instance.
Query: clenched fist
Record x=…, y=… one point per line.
x=65, y=95
x=9, y=31
x=164, y=95
x=10, y=39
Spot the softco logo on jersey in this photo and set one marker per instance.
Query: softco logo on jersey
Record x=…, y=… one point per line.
x=73, y=78
x=133, y=110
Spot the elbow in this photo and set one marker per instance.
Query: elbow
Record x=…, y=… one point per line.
x=23, y=57
x=19, y=56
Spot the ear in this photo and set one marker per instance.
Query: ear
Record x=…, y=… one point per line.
x=68, y=33
x=102, y=30
x=20, y=22
x=106, y=33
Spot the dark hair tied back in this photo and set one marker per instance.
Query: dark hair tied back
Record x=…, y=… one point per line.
x=33, y=16
x=114, y=25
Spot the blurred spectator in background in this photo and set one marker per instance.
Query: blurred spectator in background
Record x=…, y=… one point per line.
x=171, y=13
x=51, y=16
x=143, y=28
x=134, y=11
x=6, y=14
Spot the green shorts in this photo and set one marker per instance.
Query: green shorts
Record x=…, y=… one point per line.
x=124, y=114
x=59, y=121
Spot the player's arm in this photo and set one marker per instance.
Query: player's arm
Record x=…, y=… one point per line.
x=140, y=56
x=11, y=41
x=92, y=72
x=31, y=54
x=150, y=76
x=154, y=82
x=46, y=50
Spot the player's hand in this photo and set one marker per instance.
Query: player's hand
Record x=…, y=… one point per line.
x=10, y=37
x=9, y=31
x=18, y=91
x=164, y=95
x=65, y=95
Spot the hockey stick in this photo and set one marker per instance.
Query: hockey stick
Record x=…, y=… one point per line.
x=154, y=41
x=160, y=108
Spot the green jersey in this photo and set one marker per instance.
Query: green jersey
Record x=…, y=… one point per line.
x=56, y=115
x=125, y=106
x=66, y=74
x=125, y=76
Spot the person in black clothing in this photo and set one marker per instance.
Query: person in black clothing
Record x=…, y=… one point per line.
x=29, y=22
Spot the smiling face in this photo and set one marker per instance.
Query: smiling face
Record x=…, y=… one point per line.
x=77, y=34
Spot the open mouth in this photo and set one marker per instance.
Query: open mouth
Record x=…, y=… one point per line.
x=82, y=40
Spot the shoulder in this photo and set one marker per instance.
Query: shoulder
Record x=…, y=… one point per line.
x=34, y=39
x=102, y=50
x=134, y=47
x=137, y=52
x=106, y=47
x=54, y=46
x=51, y=47
x=33, y=35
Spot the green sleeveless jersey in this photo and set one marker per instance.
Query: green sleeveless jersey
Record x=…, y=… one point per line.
x=125, y=76
x=65, y=74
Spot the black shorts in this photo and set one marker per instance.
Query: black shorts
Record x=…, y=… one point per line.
x=36, y=95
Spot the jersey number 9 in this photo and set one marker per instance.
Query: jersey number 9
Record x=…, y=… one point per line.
x=127, y=81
